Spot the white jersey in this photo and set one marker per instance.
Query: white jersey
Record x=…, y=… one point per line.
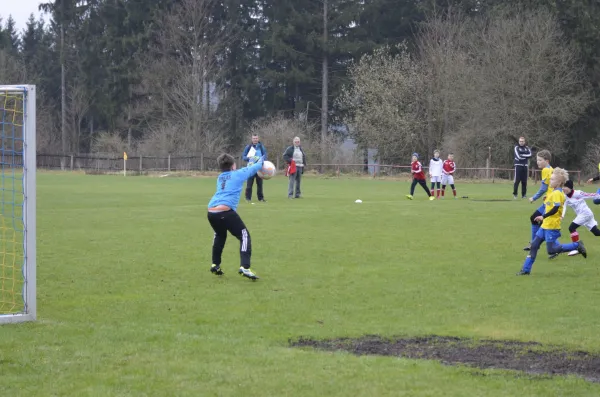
x=577, y=202
x=435, y=167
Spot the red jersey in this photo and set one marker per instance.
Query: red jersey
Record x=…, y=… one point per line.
x=417, y=170
x=449, y=167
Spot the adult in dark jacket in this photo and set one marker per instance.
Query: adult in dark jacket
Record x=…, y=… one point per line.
x=254, y=150
x=522, y=156
x=295, y=154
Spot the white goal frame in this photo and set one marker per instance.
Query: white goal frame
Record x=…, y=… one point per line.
x=29, y=312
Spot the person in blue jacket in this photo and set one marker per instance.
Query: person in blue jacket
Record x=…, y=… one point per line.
x=252, y=152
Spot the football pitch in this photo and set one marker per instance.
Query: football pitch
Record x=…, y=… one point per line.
x=127, y=305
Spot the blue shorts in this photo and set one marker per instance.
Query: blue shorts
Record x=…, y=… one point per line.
x=548, y=235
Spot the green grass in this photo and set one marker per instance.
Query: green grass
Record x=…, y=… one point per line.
x=127, y=306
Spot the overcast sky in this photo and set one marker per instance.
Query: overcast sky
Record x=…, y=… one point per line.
x=20, y=10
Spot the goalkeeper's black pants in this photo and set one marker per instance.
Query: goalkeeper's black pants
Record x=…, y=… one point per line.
x=229, y=221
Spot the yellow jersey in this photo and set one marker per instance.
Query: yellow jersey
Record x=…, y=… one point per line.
x=557, y=197
x=546, y=174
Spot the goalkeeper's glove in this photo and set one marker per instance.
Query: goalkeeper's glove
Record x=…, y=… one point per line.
x=253, y=160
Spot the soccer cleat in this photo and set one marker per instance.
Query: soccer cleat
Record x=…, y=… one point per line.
x=581, y=249
x=554, y=255
x=216, y=269
x=263, y=200
x=248, y=273
x=522, y=273
x=409, y=196
x=431, y=198
x=573, y=253
x=514, y=196
x=528, y=248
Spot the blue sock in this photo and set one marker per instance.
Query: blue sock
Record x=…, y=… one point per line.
x=534, y=230
x=527, y=265
x=569, y=247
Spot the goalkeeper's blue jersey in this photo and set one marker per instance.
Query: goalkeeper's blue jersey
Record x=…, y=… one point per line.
x=230, y=184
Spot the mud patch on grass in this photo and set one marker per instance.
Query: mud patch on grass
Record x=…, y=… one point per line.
x=528, y=357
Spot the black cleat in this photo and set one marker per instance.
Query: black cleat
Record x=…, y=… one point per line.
x=522, y=273
x=216, y=270
x=552, y=256
x=581, y=249
x=528, y=248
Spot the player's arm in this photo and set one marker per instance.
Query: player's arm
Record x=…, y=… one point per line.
x=564, y=211
x=540, y=193
x=594, y=179
x=579, y=195
x=452, y=169
x=251, y=170
x=553, y=211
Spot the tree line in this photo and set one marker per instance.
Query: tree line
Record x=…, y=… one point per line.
x=189, y=76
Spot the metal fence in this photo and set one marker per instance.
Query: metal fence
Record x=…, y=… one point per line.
x=109, y=163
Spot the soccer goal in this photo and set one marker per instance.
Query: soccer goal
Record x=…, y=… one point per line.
x=17, y=204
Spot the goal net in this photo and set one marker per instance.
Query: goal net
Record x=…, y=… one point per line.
x=17, y=204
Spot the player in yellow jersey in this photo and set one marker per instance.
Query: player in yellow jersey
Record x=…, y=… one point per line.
x=543, y=162
x=551, y=219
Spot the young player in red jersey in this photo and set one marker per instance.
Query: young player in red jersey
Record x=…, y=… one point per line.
x=418, y=177
x=448, y=174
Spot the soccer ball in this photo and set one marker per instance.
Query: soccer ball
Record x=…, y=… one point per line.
x=267, y=171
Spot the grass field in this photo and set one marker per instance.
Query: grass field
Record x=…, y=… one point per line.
x=127, y=305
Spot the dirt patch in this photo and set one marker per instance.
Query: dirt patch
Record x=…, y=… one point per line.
x=529, y=357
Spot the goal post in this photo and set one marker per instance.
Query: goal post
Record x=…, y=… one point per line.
x=17, y=203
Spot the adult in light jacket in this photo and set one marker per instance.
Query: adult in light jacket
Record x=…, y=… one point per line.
x=295, y=157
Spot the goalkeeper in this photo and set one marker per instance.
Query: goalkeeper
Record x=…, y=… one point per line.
x=223, y=217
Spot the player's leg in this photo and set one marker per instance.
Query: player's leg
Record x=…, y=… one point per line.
x=236, y=226
x=451, y=180
x=444, y=183
x=574, y=235
x=438, y=190
x=554, y=247
x=595, y=231
x=218, y=224
x=259, y=189
x=534, y=226
x=424, y=186
x=249, y=185
x=412, y=189
x=530, y=259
